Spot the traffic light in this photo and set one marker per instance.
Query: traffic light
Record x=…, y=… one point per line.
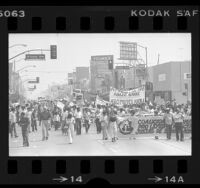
x=110, y=64
x=37, y=80
x=53, y=51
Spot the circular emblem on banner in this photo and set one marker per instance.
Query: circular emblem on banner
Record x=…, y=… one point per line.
x=125, y=127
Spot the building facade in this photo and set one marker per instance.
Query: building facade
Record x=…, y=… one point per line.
x=129, y=77
x=101, y=73
x=171, y=81
x=82, y=73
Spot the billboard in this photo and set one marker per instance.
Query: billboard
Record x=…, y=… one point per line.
x=128, y=50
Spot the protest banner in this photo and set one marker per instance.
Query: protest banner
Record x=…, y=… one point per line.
x=100, y=101
x=60, y=105
x=134, y=96
x=149, y=124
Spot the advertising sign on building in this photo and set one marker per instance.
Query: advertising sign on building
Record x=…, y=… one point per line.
x=134, y=96
x=187, y=76
x=102, y=58
x=161, y=77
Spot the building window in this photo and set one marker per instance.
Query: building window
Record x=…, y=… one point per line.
x=161, y=77
x=187, y=76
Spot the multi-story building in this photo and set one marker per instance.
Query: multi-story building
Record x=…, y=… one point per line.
x=82, y=73
x=129, y=77
x=171, y=81
x=101, y=73
x=82, y=78
x=16, y=87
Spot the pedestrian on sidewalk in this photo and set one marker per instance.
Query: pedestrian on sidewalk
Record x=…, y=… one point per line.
x=24, y=123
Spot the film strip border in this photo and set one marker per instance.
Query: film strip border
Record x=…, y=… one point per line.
x=109, y=166
x=94, y=20
x=109, y=24
x=101, y=19
x=135, y=171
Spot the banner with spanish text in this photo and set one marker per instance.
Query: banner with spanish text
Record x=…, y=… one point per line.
x=148, y=125
x=121, y=97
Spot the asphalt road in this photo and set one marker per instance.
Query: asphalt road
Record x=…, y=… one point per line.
x=91, y=144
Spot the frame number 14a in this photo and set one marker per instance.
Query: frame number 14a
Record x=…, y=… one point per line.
x=167, y=179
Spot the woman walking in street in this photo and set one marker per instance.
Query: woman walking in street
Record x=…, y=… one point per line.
x=104, y=125
x=34, y=120
x=24, y=123
x=70, y=124
x=113, y=126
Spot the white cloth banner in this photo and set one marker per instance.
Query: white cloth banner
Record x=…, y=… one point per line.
x=101, y=101
x=60, y=105
x=134, y=96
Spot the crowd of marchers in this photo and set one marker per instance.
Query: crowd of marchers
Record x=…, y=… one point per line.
x=72, y=118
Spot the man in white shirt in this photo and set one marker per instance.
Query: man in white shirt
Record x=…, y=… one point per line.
x=28, y=115
x=13, y=120
x=78, y=116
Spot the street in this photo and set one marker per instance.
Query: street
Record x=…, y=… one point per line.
x=91, y=144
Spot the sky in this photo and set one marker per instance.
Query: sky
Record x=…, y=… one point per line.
x=75, y=50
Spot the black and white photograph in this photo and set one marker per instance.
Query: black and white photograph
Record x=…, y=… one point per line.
x=102, y=94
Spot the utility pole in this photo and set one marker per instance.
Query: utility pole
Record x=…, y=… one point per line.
x=158, y=59
x=146, y=65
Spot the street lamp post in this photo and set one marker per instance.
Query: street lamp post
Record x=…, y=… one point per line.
x=25, y=68
x=33, y=50
x=23, y=45
x=14, y=45
x=144, y=47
